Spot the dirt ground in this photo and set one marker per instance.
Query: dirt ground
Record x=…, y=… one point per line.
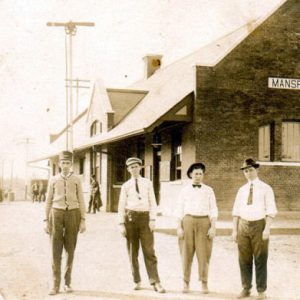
x=101, y=269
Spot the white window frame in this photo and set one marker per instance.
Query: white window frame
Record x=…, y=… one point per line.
x=264, y=143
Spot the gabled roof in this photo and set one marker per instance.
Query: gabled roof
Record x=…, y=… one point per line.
x=170, y=85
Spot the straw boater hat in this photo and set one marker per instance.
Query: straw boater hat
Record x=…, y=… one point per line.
x=248, y=163
x=133, y=160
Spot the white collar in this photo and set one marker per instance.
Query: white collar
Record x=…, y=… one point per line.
x=254, y=182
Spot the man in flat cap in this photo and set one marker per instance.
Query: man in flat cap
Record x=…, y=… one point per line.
x=197, y=213
x=253, y=211
x=136, y=216
x=65, y=217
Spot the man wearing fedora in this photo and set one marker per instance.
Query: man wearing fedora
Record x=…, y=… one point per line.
x=136, y=216
x=65, y=217
x=197, y=213
x=253, y=211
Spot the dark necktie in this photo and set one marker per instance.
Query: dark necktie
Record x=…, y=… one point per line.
x=197, y=186
x=137, y=188
x=250, y=197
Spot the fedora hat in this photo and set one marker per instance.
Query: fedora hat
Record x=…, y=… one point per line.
x=194, y=166
x=248, y=163
x=133, y=160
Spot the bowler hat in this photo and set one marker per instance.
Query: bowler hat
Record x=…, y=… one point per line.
x=248, y=163
x=194, y=166
x=133, y=160
x=66, y=155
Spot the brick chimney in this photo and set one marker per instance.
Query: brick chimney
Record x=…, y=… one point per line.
x=152, y=63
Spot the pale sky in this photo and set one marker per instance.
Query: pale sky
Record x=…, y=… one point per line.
x=32, y=55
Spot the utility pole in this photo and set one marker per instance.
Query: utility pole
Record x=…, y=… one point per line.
x=26, y=141
x=77, y=87
x=70, y=30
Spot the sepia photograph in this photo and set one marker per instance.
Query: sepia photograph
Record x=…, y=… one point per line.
x=150, y=149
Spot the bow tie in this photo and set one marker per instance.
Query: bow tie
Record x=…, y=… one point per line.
x=197, y=186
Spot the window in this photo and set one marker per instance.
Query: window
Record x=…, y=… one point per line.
x=291, y=141
x=264, y=143
x=176, y=161
x=81, y=165
x=95, y=128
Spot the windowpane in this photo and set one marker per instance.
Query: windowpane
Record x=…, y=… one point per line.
x=291, y=141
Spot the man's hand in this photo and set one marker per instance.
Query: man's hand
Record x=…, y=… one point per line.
x=234, y=235
x=180, y=232
x=152, y=225
x=266, y=234
x=122, y=229
x=82, y=227
x=211, y=232
x=47, y=227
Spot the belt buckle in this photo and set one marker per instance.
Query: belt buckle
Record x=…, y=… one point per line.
x=129, y=214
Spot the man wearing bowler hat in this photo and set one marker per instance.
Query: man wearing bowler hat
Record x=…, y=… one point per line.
x=253, y=212
x=197, y=213
x=65, y=217
x=136, y=216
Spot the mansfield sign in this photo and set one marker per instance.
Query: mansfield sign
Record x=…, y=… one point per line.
x=284, y=83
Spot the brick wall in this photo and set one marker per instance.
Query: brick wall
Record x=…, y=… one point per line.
x=233, y=100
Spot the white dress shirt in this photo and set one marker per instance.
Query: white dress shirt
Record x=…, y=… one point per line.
x=197, y=202
x=263, y=202
x=131, y=199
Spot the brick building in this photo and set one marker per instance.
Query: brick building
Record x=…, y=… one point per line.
x=214, y=105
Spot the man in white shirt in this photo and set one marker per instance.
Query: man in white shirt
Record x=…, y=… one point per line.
x=197, y=213
x=253, y=211
x=136, y=216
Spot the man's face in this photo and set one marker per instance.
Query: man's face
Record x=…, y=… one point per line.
x=250, y=173
x=197, y=176
x=134, y=170
x=65, y=165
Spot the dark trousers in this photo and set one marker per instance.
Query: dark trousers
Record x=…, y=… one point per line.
x=251, y=247
x=93, y=204
x=196, y=240
x=64, y=230
x=138, y=231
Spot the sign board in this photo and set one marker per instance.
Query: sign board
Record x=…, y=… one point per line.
x=284, y=83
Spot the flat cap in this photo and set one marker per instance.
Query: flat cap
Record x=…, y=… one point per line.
x=133, y=160
x=66, y=155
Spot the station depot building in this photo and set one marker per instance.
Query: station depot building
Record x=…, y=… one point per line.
x=235, y=98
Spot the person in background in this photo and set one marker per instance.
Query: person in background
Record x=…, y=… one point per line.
x=137, y=215
x=253, y=212
x=95, y=196
x=64, y=218
x=197, y=214
x=35, y=192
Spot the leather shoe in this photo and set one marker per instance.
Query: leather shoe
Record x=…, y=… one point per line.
x=68, y=288
x=53, y=291
x=186, y=288
x=138, y=286
x=205, y=288
x=261, y=295
x=244, y=294
x=158, y=288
